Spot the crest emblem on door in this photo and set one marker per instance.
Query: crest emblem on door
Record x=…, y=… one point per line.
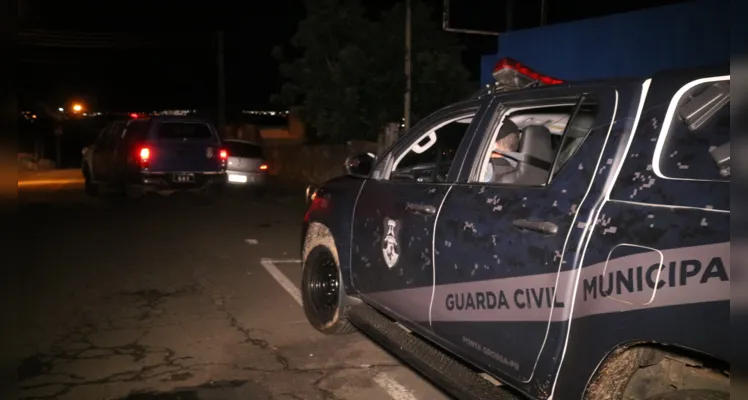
x=209, y=152
x=390, y=247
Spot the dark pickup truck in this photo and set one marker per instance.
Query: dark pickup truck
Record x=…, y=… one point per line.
x=156, y=154
x=595, y=266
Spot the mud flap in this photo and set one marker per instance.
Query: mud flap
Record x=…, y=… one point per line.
x=452, y=376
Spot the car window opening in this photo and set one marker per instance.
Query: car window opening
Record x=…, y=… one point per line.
x=698, y=132
x=531, y=142
x=243, y=150
x=430, y=157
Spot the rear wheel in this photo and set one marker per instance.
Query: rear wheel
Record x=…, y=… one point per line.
x=322, y=293
x=696, y=394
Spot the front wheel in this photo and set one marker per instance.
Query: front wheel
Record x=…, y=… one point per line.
x=322, y=293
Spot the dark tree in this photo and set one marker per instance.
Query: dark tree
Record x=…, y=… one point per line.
x=349, y=76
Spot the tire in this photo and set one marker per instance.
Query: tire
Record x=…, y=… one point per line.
x=91, y=188
x=694, y=394
x=322, y=292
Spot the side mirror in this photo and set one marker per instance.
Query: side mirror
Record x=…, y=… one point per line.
x=360, y=165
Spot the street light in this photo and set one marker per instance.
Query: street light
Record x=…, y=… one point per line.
x=77, y=107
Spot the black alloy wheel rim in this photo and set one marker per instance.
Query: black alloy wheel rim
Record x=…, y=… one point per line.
x=324, y=287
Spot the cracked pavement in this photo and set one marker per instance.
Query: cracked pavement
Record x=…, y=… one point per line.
x=163, y=299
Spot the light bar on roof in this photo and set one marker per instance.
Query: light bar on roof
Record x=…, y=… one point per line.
x=511, y=74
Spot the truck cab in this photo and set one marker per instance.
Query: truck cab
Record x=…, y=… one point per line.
x=597, y=263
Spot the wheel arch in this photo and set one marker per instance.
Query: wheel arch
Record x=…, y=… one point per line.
x=620, y=371
x=331, y=213
x=314, y=234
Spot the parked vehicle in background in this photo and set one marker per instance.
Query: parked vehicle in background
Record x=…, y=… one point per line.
x=156, y=154
x=581, y=253
x=247, y=165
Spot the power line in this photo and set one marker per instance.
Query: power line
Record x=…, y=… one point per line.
x=68, y=33
x=101, y=40
x=44, y=38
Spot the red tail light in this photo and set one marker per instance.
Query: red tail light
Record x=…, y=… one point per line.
x=145, y=154
x=144, y=157
x=263, y=167
x=223, y=154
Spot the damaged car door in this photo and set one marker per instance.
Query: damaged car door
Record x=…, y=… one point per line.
x=500, y=245
x=392, y=248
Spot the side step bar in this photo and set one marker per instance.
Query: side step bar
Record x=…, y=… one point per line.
x=453, y=377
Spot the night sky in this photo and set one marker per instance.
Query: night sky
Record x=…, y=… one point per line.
x=155, y=55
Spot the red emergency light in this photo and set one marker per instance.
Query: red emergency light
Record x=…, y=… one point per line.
x=512, y=73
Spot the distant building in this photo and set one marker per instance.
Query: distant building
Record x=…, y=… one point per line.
x=293, y=131
x=631, y=44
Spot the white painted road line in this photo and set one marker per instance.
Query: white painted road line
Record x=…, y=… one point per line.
x=393, y=388
x=282, y=280
x=386, y=382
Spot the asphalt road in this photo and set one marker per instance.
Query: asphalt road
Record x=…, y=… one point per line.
x=163, y=298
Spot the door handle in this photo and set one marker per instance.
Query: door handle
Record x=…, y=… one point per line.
x=421, y=208
x=544, y=227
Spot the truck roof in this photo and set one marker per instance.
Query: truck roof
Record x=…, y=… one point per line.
x=707, y=70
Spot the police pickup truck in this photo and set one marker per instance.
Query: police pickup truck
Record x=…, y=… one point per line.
x=596, y=265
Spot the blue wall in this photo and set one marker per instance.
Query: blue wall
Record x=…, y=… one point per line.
x=622, y=45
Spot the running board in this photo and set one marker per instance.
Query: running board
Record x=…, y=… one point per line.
x=453, y=377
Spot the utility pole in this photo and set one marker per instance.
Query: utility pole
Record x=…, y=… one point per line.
x=221, y=86
x=408, y=83
x=58, y=146
x=510, y=14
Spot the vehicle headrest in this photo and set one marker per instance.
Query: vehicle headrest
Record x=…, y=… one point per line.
x=536, y=142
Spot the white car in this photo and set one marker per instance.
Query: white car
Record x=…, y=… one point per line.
x=246, y=164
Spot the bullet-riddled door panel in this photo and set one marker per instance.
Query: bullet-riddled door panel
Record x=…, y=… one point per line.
x=392, y=248
x=499, y=246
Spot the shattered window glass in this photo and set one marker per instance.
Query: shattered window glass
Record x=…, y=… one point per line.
x=687, y=148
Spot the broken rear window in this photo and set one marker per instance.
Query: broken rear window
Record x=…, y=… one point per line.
x=700, y=124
